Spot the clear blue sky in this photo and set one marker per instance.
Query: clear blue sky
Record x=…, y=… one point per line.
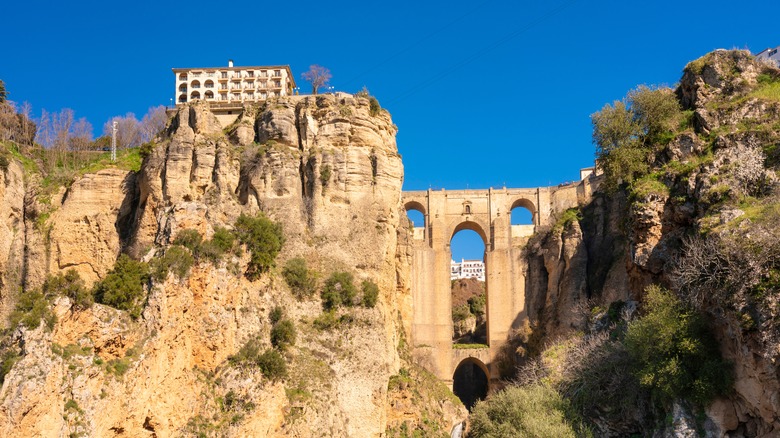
x=485, y=93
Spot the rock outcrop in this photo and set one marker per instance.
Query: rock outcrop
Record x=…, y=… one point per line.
x=326, y=168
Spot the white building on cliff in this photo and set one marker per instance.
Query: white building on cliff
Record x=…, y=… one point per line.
x=233, y=84
x=467, y=269
x=770, y=54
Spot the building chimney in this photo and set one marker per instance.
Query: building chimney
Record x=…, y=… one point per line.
x=230, y=63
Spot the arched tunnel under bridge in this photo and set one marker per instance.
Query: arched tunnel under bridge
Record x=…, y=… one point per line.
x=470, y=381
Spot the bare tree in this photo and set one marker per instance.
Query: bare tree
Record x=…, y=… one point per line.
x=318, y=76
x=153, y=122
x=128, y=131
x=44, y=135
x=81, y=135
x=9, y=123
x=62, y=123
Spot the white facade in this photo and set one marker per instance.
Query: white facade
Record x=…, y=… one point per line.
x=467, y=269
x=770, y=54
x=233, y=84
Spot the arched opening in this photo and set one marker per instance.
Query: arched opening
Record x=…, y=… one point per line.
x=415, y=212
x=182, y=76
x=209, y=95
x=523, y=218
x=182, y=98
x=195, y=95
x=195, y=84
x=183, y=88
x=470, y=382
x=468, y=287
x=209, y=84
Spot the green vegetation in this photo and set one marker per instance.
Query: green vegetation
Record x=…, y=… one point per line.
x=275, y=315
x=566, y=218
x=206, y=250
x=8, y=359
x=677, y=357
x=338, y=290
x=190, y=239
x=325, y=174
x=263, y=238
x=370, y=293
x=627, y=132
x=469, y=346
x=272, y=365
x=536, y=411
x=461, y=313
x=373, y=106
x=648, y=185
x=426, y=395
x=70, y=285
x=283, y=334
x=123, y=286
x=33, y=307
x=176, y=259
x=301, y=280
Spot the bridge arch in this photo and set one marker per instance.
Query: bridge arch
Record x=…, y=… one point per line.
x=528, y=205
x=473, y=224
x=471, y=381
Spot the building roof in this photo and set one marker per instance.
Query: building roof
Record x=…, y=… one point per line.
x=244, y=67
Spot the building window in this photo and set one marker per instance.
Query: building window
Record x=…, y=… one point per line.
x=467, y=209
x=209, y=84
x=182, y=98
x=195, y=84
x=224, y=75
x=195, y=95
x=277, y=73
x=183, y=88
x=263, y=73
x=182, y=77
x=250, y=74
x=209, y=95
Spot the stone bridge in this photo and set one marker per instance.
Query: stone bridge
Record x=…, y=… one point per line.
x=488, y=213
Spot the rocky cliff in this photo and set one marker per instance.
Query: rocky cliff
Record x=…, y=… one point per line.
x=697, y=221
x=326, y=168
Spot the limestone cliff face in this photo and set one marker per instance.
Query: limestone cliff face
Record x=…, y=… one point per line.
x=326, y=168
x=12, y=235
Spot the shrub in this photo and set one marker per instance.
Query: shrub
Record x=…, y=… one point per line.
x=190, y=239
x=370, y=293
x=123, y=287
x=4, y=162
x=272, y=365
x=248, y=353
x=373, y=106
x=325, y=174
x=338, y=290
x=32, y=307
x=263, y=238
x=223, y=239
x=534, y=411
x=283, y=334
x=70, y=285
x=460, y=313
x=275, y=315
x=7, y=361
x=677, y=355
x=176, y=259
x=208, y=250
x=326, y=321
x=477, y=304
x=296, y=274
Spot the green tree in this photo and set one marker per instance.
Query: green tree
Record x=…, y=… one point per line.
x=263, y=238
x=70, y=285
x=525, y=411
x=301, y=280
x=677, y=355
x=272, y=365
x=283, y=334
x=32, y=307
x=190, y=239
x=123, y=286
x=176, y=259
x=370, y=293
x=338, y=290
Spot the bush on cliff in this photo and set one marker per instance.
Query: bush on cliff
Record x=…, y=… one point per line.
x=301, y=280
x=283, y=334
x=32, y=308
x=535, y=410
x=263, y=238
x=338, y=290
x=123, y=287
x=676, y=355
x=176, y=259
x=70, y=285
x=370, y=293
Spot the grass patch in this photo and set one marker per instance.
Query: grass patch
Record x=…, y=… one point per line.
x=767, y=91
x=469, y=346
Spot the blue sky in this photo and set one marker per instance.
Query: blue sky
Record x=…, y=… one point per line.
x=485, y=93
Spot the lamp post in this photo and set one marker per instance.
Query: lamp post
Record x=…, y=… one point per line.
x=297, y=90
x=113, y=142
